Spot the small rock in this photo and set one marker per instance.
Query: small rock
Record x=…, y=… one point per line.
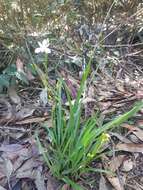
x=127, y=165
x=134, y=138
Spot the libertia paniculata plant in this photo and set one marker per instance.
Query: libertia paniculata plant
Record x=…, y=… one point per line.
x=72, y=145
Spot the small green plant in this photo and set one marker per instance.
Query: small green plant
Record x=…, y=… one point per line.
x=73, y=145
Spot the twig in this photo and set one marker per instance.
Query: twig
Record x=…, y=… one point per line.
x=14, y=128
x=123, y=45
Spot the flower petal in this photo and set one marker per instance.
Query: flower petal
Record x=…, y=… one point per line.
x=40, y=44
x=45, y=42
x=37, y=50
x=47, y=50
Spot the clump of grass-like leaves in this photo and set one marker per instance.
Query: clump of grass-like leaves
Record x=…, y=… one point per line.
x=72, y=145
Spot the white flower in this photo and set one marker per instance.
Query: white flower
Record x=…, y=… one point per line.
x=43, y=47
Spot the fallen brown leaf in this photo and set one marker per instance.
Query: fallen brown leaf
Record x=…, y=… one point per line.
x=39, y=180
x=11, y=148
x=31, y=120
x=8, y=168
x=102, y=184
x=2, y=188
x=130, y=147
x=120, y=137
x=27, y=169
x=24, y=112
x=6, y=111
x=65, y=187
x=116, y=163
x=140, y=123
x=13, y=95
x=135, y=130
x=2, y=171
x=139, y=94
x=116, y=183
x=30, y=77
x=52, y=183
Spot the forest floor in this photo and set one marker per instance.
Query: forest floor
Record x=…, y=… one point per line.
x=117, y=88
